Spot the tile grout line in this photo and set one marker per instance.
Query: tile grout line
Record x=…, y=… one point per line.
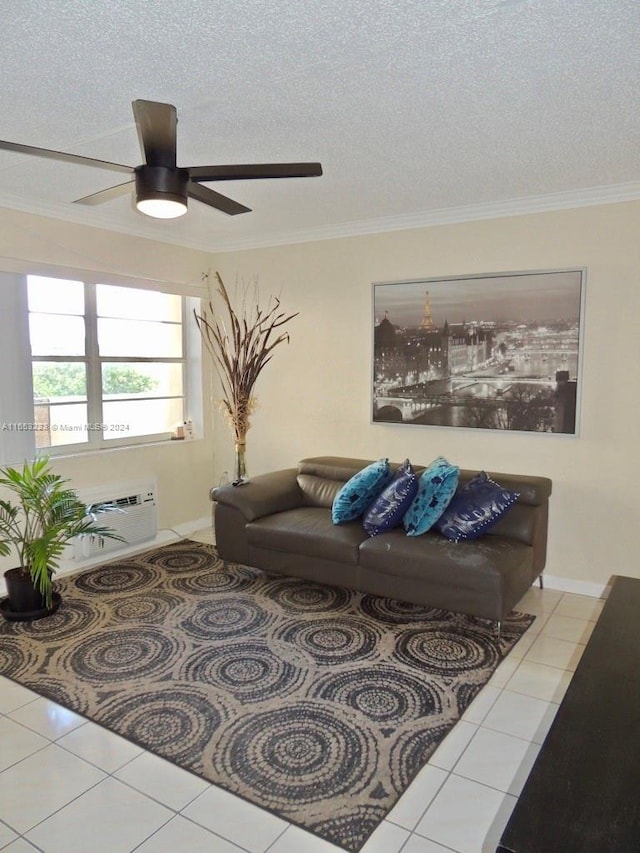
x=451, y=772
x=412, y=832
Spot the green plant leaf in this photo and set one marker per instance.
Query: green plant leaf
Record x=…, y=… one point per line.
x=46, y=516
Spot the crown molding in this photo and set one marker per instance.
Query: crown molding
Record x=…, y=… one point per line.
x=567, y=200
x=68, y=213
x=446, y=216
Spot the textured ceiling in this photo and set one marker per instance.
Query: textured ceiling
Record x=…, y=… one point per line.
x=419, y=110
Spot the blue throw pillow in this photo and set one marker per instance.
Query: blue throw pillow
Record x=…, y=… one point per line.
x=358, y=492
x=436, y=487
x=475, y=508
x=393, y=501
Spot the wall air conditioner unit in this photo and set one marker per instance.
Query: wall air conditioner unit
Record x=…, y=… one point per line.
x=133, y=514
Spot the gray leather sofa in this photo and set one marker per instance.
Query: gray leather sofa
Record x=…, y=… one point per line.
x=281, y=522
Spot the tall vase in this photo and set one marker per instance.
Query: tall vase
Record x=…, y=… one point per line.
x=240, y=467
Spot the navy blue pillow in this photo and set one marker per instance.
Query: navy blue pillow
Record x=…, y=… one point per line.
x=394, y=500
x=358, y=492
x=436, y=487
x=475, y=508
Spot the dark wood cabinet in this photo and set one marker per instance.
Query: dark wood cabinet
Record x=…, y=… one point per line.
x=583, y=793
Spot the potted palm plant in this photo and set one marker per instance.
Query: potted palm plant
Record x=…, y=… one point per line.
x=45, y=516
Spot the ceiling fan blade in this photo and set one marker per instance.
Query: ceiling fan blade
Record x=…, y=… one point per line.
x=106, y=195
x=157, y=124
x=246, y=172
x=64, y=156
x=214, y=199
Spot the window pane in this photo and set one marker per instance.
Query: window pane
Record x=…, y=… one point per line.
x=139, y=338
x=55, y=295
x=141, y=380
x=128, y=302
x=56, y=334
x=57, y=425
x=59, y=381
x=141, y=417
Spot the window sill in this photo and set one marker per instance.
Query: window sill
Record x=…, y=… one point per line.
x=100, y=451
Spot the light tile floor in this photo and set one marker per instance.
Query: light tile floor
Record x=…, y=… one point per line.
x=69, y=786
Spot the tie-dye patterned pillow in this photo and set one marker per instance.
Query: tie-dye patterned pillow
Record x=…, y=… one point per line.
x=475, y=508
x=360, y=491
x=436, y=487
x=387, y=510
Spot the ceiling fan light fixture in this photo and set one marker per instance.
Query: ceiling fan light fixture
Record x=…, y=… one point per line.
x=162, y=189
x=161, y=192
x=161, y=208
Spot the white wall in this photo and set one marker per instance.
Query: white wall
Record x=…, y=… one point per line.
x=314, y=398
x=184, y=470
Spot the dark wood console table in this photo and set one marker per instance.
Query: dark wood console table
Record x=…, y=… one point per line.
x=583, y=793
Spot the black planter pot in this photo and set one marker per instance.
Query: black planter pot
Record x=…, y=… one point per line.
x=24, y=602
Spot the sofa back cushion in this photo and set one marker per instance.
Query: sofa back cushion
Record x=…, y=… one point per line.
x=340, y=468
x=318, y=491
x=321, y=478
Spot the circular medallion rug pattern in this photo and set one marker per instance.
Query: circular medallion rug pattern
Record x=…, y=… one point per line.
x=317, y=703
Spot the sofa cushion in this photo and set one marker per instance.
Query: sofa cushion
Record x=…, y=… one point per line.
x=485, y=577
x=309, y=532
x=359, y=491
x=435, y=559
x=475, y=508
x=387, y=510
x=436, y=487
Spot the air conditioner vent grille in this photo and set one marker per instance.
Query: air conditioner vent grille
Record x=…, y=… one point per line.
x=132, y=500
x=133, y=515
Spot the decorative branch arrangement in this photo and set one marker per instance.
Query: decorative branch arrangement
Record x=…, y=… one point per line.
x=240, y=353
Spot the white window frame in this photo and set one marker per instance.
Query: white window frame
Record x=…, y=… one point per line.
x=16, y=391
x=16, y=387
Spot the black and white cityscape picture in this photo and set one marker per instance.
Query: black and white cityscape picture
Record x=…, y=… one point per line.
x=499, y=351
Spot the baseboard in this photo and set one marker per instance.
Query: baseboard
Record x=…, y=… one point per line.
x=593, y=590
x=190, y=527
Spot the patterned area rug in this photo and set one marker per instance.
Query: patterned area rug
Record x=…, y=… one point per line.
x=314, y=702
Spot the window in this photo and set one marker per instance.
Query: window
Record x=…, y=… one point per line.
x=108, y=363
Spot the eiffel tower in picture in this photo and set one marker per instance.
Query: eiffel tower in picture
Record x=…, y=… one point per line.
x=426, y=324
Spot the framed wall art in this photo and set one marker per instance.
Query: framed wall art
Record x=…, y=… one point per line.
x=494, y=351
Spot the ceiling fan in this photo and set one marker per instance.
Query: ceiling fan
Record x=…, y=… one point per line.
x=161, y=187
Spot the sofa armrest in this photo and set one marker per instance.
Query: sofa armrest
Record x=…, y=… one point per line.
x=262, y=495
